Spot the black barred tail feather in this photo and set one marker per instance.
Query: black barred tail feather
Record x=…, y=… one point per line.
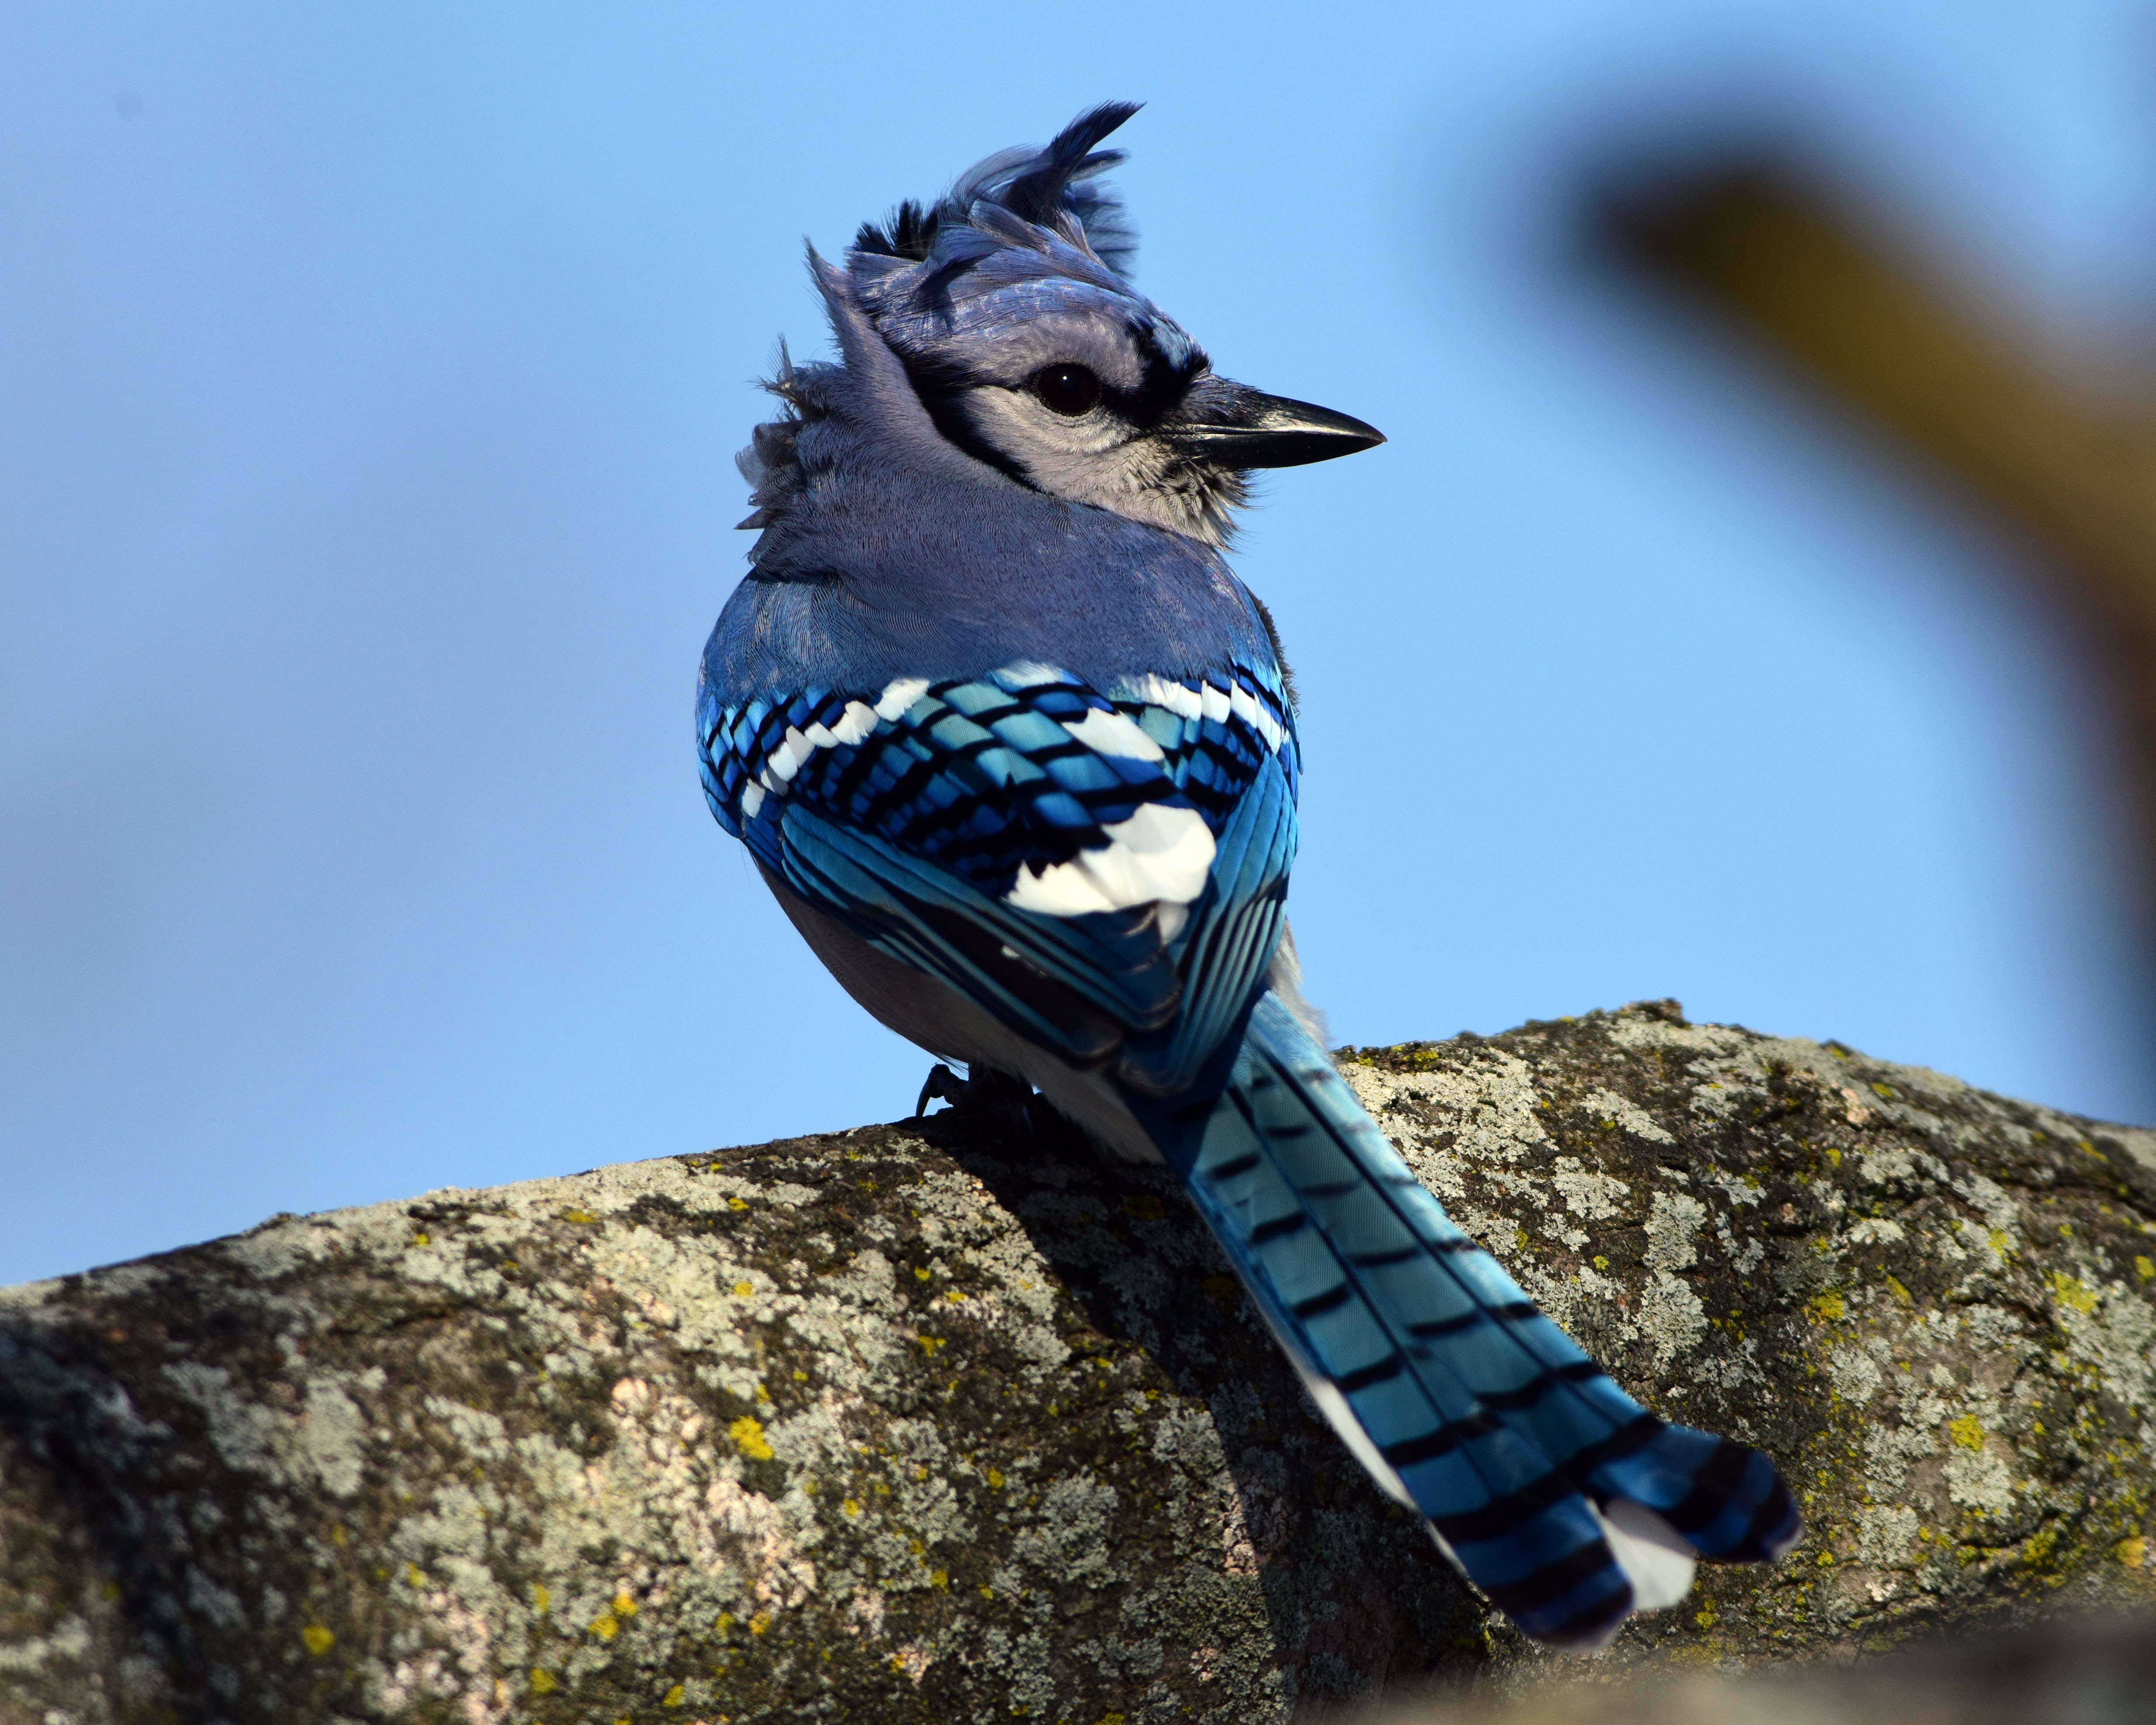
x=1555, y=1493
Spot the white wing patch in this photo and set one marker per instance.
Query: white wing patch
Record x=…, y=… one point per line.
x=855, y=724
x=1205, y=701
x=1158, y=856
x=900, y=694
x=1179, y=698
x=1114, y=734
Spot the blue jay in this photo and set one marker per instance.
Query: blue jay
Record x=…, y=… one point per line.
x=1016, y=752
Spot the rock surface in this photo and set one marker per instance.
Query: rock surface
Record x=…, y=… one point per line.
x=942, y=1421
x=2068, y=1672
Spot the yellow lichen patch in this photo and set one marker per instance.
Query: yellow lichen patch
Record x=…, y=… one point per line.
x=2001, y=1242
x=2073, y=1291
x=737, y=1204
x=1601, y=1262
x=921, y=1273
x=415, y=1575
x=759, y=1623
x=995, y=1479
x=605, y=1628
x=423, y=1238
x=747, y=1434
x=852, y=1506
x=725, y=1621
x=1834, y=1156
x=541, y=1597
x=987, y=1592
x=1968, y=1431
x=675, y=1696
x=955, y=1297
x=744, y=1290
x=1828, y=1308
x=583, y=1218
x=1899, y=1292
x=623, y=1606
x=1704, y=1617
x=2145, y=1268
x=542, y=1680
x=318, y=1639
x=940, y=1578
x=929, y=1344
x=2132, y=1552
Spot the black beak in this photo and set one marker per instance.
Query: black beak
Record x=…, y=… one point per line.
x=1239, y=427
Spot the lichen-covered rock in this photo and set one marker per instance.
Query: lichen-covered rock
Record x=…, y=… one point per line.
x=946, y=1421
x=1932, y=1305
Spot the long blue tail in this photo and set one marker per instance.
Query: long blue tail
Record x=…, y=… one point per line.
x=1560, y=1497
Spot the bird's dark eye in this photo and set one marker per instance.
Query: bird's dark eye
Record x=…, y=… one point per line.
x=1066, y=389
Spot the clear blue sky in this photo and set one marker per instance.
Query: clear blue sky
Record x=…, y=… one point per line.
x=369, y=382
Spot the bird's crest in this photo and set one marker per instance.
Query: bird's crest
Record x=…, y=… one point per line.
x=1057, y=188
x=1023, y=234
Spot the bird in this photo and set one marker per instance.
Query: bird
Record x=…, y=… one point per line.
x=1016, y=752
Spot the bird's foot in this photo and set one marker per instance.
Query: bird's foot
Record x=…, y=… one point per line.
x=984, y=1092
x=942, y=1084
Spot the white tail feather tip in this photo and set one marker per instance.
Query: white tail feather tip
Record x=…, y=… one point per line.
x=1656, y=1560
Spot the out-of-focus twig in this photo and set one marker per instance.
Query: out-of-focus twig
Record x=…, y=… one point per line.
x=2073, y=475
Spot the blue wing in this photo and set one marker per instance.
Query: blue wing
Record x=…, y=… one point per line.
x=1104, y=871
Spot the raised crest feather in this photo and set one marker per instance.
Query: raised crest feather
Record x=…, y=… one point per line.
x=1055, y=188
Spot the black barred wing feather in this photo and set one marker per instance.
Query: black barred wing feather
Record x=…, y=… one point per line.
x=1102, y=869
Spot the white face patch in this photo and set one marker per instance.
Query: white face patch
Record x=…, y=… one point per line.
x=1158, y=856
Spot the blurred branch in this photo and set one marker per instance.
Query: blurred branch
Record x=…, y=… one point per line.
x=2073, y=476
x=2097, y=1671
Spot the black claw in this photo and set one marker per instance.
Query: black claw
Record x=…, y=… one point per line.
x=942, y=1084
